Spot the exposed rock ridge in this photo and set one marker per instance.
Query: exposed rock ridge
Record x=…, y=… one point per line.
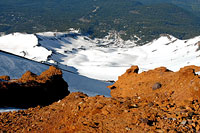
x=158, y=100
x=183, y=85
x=32, y=90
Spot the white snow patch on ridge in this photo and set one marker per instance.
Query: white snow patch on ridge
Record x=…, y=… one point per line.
x=198, y=73
x=108, y=58
x=15, y=66
x=8, y=109
x=25, y=45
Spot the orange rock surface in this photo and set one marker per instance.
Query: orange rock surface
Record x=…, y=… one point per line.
x=32, y=90
x=182, y=85
x=153, y=103
x=80, y=113
x=51, y=73
x=5, y=77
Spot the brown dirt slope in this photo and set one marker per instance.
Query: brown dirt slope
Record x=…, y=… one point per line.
x=183, y=85
x=80, y=113
x=154, y=105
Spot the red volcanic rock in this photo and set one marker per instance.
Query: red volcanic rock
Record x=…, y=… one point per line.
x=50, y=74
x=32, y=90
x=182, y=85
x=5, y=77
x=27, y=76
x=147, y=102
x=79, y=113
x=133, y=69
x=52, y=71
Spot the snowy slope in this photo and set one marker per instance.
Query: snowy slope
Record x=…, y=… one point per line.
x=15, y=66
x=25, y=45
x=107, y=58
x=8, y=109
x=103, y=59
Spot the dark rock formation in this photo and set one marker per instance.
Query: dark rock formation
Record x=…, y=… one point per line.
x=32, y=90
x=5, y=77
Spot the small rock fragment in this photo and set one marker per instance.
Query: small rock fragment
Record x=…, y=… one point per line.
x=127, y=128
x=156, y=86
x=183, y=122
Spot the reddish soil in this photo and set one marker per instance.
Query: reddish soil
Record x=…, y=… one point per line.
x=160, y=109
x=183, y=85
x=79, y=113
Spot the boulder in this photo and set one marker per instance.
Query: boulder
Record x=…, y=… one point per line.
x=5, y=77
x=32, y=90
x=156, y=86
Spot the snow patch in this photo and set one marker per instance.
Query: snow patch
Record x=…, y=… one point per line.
x=108, y=58
x=198, y=73
x=25, y=45
x=8, y=109
x=15, y=66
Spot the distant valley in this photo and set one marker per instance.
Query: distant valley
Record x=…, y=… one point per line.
x=146, y=19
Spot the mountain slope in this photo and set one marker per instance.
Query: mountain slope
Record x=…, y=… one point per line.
x=191, y=5
x=15, y=66
x=97, y=18
x=107, y=58
x=25, y=45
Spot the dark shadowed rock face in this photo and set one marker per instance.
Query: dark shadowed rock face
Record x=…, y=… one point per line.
x=4, y=77
x=32, y=90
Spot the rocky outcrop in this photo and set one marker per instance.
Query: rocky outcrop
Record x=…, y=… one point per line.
x=32, y=90
x=5, y=77
x=79, y=113
x=182, y=85
x=158, y=100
